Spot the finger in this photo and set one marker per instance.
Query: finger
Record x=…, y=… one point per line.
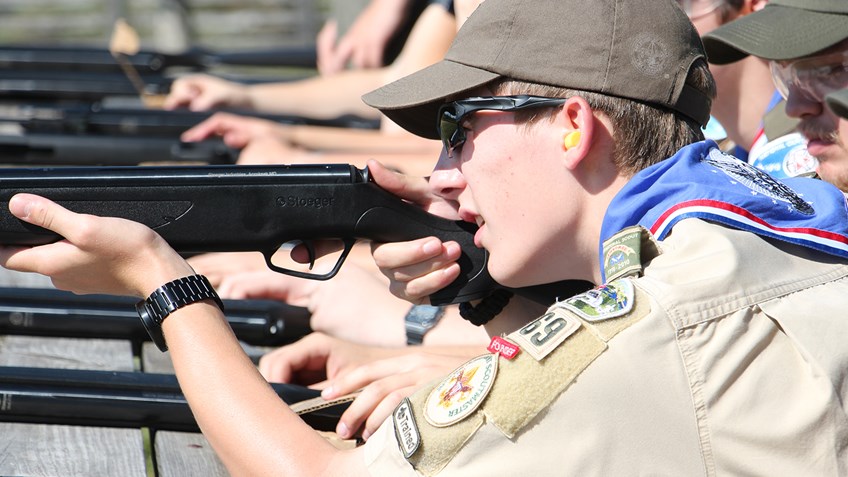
x=406, y=254
x=368, y=400
x=415, y=189
x=183, y=91
x=300, y=253
x=307, y=354
x=448, y=256
x=384, y=409
x=202, y=130
x=44, y=213
x=418, y=290
x=325, y=44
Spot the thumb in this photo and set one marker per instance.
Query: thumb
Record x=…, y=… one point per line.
x=42, y=212
x=414, y=189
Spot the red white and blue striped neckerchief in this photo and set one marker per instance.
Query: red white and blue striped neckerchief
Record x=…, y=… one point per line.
x=702, y=182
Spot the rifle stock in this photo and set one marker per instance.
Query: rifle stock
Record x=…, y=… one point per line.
x=56, y=313
x=120, y=399
x=246, y=208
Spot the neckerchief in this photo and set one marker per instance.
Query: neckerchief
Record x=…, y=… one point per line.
x=702, y=182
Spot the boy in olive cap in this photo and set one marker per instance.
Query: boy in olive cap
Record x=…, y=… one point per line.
x=571, y=133
x=806, y=42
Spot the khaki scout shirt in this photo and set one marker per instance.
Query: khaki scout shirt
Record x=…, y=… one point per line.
x=733, y=361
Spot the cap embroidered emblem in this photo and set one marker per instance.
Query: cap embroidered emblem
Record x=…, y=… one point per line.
x=459, y=395
x=649, y=54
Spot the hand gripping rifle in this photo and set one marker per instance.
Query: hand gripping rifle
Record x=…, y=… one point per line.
x=247, y=208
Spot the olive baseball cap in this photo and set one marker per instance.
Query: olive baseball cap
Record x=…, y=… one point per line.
x=782, y=30
x=838, y=102
x=641, y=50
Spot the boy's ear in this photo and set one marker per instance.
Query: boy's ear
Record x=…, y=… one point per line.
x=578, y=122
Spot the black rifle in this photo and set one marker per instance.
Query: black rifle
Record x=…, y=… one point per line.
x=100, y=60
x=246, y=208
x=114, y=150
x=44, y=85
x=98, y=119
x=56, y=313
x=119, y=399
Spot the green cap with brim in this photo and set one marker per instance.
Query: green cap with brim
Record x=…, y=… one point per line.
x=579, y=44
x=838, y=102
x=782, y=30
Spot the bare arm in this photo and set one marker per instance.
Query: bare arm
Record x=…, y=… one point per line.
x=243, y=419
x=321, y=96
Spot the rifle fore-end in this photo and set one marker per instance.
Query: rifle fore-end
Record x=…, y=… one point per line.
x=244, y=208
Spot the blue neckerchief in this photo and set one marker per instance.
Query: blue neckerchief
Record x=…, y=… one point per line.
x=702, y=182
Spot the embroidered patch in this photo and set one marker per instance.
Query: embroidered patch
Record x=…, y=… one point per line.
x=783, y=157
x=406, y=430
x=459, y=395
x=542, y=335
x=622, y=253
x=503, y=347
x=758, y=181
x=604, y=302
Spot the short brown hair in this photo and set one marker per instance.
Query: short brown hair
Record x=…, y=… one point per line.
x=644, y=133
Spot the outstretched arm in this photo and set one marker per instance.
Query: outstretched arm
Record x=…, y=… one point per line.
x=244, y=420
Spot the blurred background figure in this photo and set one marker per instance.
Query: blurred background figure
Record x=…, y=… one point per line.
x=748, y=107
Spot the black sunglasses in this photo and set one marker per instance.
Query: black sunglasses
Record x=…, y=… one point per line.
x=451, y=114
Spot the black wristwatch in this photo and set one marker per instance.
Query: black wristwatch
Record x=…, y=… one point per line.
x=419, y=320
x=168, y=298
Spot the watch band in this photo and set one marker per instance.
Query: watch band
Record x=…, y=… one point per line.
x=170, y=297
x=419, y=320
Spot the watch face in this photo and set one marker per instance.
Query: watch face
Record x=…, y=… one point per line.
x=424, y=314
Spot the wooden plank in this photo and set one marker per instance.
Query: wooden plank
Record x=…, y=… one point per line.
x=183, y=454
x=66, y=353
x=41, y=450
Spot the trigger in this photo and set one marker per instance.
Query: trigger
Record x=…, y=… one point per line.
x=310, y=250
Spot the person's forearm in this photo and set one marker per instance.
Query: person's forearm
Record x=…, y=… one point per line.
x=320, y=96
x=244, y=420
x=359, y=141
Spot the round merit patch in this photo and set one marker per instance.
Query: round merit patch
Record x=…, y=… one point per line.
x=459, y=395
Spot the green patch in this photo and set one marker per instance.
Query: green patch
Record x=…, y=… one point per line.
x=622, y=254
x=606, y=301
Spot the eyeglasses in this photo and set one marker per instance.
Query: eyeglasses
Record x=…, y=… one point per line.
x=696, y=9
x=813, y=77
x=451, y=115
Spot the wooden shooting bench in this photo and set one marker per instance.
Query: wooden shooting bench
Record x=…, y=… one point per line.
x=38, y=450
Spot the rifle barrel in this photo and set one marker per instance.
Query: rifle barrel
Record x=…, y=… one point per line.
x=119, y=399
x=113, y=150
x=57, y=313
x=101, y=60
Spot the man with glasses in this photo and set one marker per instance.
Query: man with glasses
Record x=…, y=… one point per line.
x=572, y=140
x=750, y=111
x=806, y=43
